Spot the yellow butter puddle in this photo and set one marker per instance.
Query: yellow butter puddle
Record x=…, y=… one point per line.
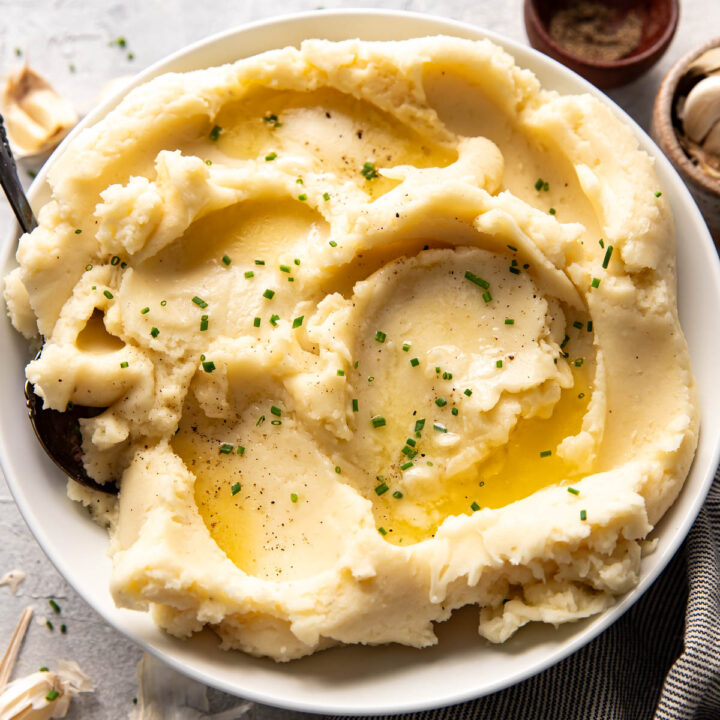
x=510, y=473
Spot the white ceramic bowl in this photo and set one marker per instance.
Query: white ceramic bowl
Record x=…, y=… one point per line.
x=363, y=680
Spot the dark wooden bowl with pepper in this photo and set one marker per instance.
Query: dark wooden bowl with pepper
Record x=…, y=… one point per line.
x=608, y=42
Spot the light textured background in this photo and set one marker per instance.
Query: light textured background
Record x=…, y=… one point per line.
x=68, y=42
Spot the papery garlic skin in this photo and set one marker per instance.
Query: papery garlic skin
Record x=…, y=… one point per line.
x=37, y=118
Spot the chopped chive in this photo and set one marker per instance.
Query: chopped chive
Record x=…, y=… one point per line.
x=595, y=282
x=539, y=184
x=63, y=628
x=108, y=294
x=406, y=347
x=498, y=363
x=441, y=402
x=340, y=372
x=514, y=270
x=226, y=448
x=215, y=133
x=411, y=442
x=565, y=341
x=381, y=488
x=293, y=497
x=419, y=424
x=581, y=396
x=355, y=405
x=199, y=302
x=658, y=194
x=259, y=262
x=447, y=376
x=397, y=495
x=439, y=427
x=406, y=466
x=415, y=362
x=382, y=531
x=298, y=321
x=573, y=491
x=454, y=411
x=409, y=452
x=326, y=196
x=302, y=197
x=44, y=669
x=602, y=243
x=474, y=507
x=235, y=488
x=145, y=311
x=380, y=336
x=332, y=243
x=249, y=274
x=274, y=320
x=49, y=625
x=546, y=453
x=163, y=303
x=154, y=332
x=276, y=422
x=512, y=247
x=208, y=366
x=54, y=605
x=509, y=321
x=240, y=450
x=468, y=392
x=578, y=362
x=368, y=171
x=269, y=294
x=608, y=255
x=272, y=120
x=583, y=515
x=477, y=280
x=371, y=378
x=275, y=410
x=208, y=162
x=589, y=326
x=578, y=325
x=552, y=211
x=486, y=296
x=285, y=268
x=78, y=231
x=88, y=267
x=124, y=364
x=204, y=323
x=437, y=369
x=270, y=156
x=52, y=695
x=338, y=469
x=256, y=322
x=299, y=181
x=378, y=421
x=114, y=260
x=260, y=421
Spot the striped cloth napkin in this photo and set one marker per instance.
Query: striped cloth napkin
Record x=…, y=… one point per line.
x=660, y=661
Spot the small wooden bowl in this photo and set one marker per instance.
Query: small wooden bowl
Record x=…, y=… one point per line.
x=704, y=188
x=659, y=22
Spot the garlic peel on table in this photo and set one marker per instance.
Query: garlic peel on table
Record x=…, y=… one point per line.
x=37, y=118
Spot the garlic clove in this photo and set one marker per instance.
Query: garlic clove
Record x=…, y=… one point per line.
x=707, y=64
x=27, y=698
x=711, y=144
x=702, y=108
x=36, y=117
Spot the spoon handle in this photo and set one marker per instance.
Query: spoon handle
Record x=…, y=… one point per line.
x=12, y=186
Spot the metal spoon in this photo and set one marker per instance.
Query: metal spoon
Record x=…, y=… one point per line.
x=58, y=432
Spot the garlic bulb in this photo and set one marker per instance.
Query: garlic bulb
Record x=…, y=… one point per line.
x=36, y=117
x=701, y=114
x=43, y=695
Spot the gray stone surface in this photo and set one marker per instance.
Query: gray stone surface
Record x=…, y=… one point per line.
x=68, y=42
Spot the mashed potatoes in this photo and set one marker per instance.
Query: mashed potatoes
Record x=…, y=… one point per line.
x=382, y=330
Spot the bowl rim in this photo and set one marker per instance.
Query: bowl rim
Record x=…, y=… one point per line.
x=589, y=629
x=662, y=119
x=628, y=61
